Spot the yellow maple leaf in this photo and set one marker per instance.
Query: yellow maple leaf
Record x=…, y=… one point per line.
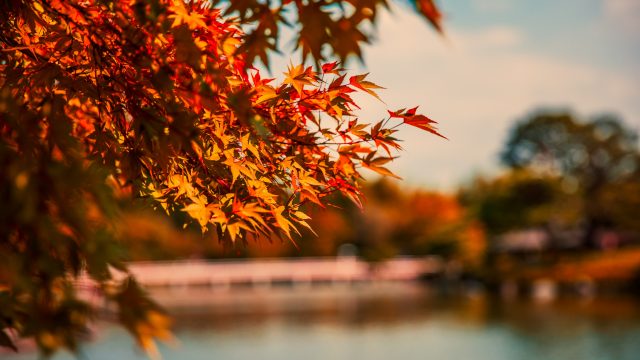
x=234, y=229
x=284, y=224
x=199, y=210
x=297, y=77
x=265, y=93
x=235, y=166
x=181, y=15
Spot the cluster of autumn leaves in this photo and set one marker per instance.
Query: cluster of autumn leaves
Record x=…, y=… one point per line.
x=106, y=105
x=161, y=95
x=263, y=150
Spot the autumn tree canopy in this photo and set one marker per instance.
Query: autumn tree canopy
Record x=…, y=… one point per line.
x=107, y=103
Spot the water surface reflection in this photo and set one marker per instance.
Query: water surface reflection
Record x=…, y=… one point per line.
x=385, y=321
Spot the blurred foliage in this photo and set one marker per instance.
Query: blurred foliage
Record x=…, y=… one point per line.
x=593, y=153
x=571, y=190
x=323, y=28
x=520, y=199
x=597, y=161
x=394, y=222
x=619, y=203
x=401, y=222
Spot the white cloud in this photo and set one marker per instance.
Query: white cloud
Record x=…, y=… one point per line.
x=476, y=84
x=496, y=36
x=625, y=13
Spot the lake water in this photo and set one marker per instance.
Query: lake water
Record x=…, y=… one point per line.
x=391, y=321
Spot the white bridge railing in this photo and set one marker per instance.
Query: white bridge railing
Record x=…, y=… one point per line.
x=290, y=270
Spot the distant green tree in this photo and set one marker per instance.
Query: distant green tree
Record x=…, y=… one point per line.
x=516, y=200
x=590, y=156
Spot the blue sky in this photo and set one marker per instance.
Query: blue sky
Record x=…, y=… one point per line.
x=499, y=61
